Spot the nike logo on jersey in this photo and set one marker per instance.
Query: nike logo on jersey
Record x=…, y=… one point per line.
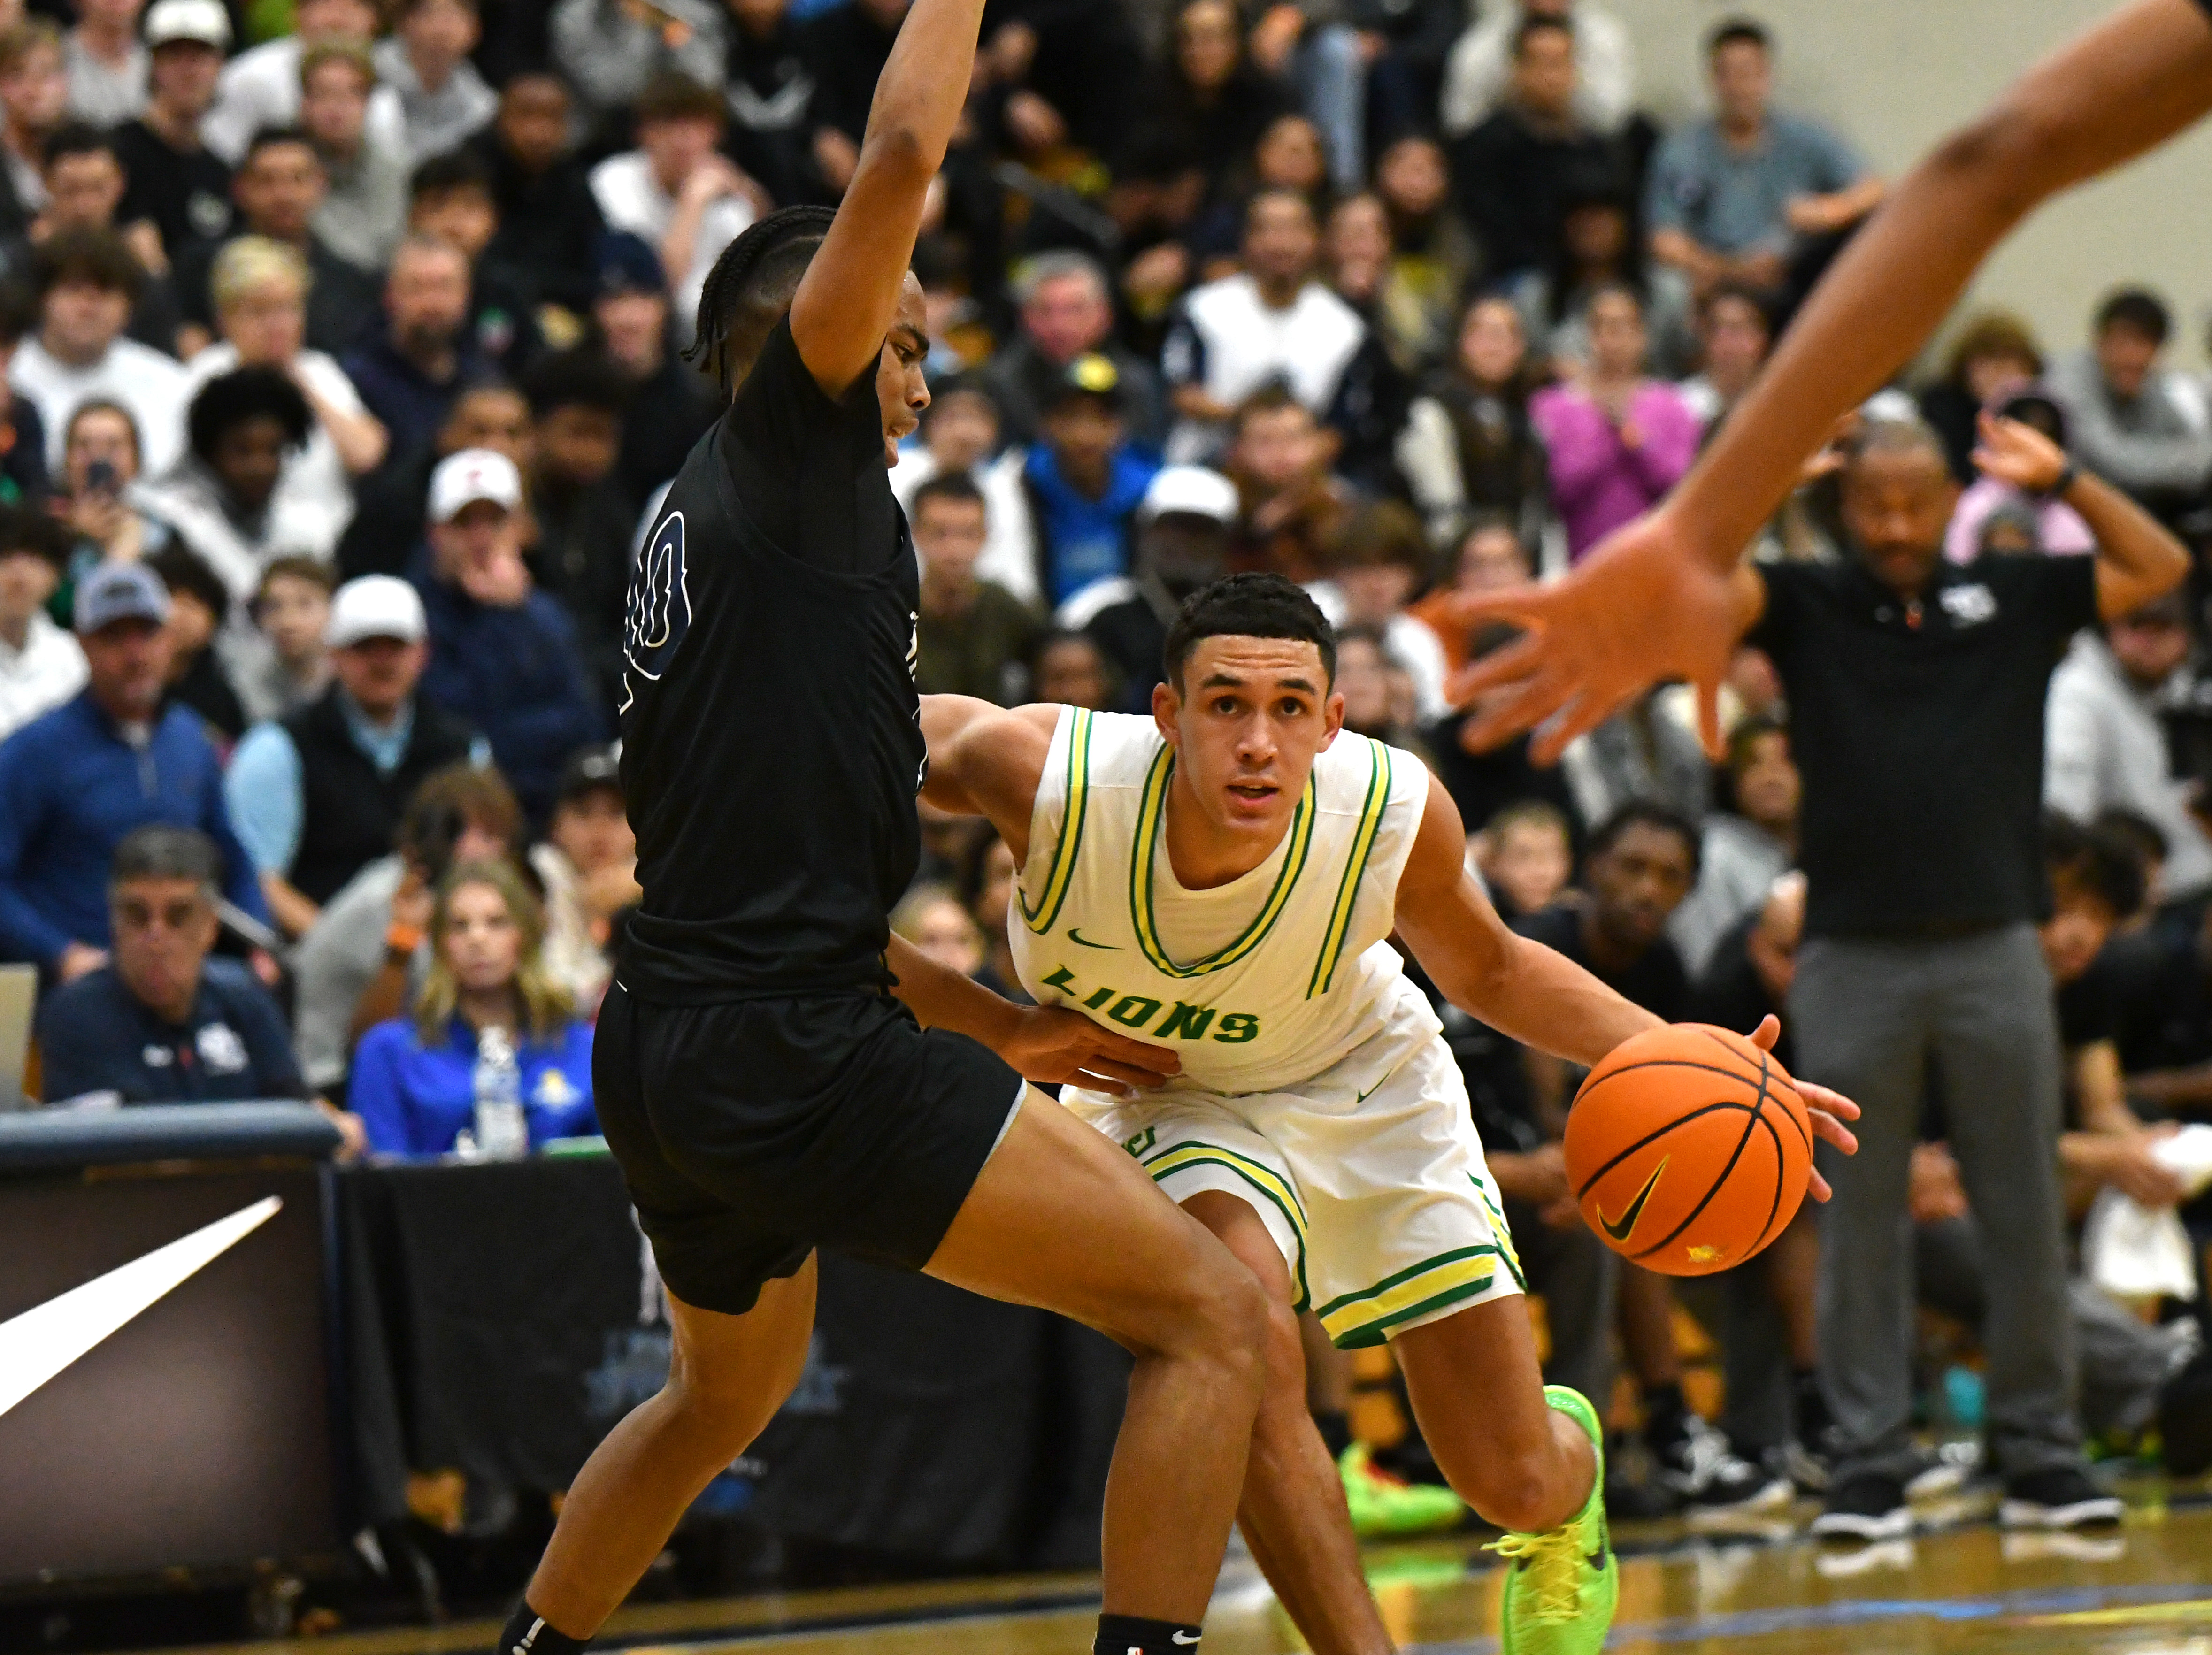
x=1082, y=941
x=1183, y=1638
x=1620, y=1228
x=46, y=1338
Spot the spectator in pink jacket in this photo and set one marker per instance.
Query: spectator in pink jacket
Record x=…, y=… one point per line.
x=2059, y=529
x=1618, y=440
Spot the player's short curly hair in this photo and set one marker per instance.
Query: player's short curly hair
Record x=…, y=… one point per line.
x=750, y=289
x=1249, y=606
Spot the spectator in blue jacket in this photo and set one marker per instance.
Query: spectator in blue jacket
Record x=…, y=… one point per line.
x=503, y=654
x=161, y=1022
x=414, y=1078
x=1085, y=481
x=74, y=782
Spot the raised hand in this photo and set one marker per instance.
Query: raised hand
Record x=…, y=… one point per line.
x=1645, y=607
x=2015, y=453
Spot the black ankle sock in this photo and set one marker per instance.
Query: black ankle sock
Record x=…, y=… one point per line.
x=1335, y=1432
x=1129, y=1634
x=1813, y=1417
x=1664, y=1413
x=528, y=1633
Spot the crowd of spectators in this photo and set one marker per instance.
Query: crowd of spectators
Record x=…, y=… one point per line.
x=342, y=366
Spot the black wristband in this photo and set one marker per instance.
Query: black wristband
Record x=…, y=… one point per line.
x=2065, y=480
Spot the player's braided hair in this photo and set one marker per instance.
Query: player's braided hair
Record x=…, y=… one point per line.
x=750, y=289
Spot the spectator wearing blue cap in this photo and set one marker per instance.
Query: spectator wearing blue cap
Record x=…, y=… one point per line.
x=75, y=781
x=670, y=403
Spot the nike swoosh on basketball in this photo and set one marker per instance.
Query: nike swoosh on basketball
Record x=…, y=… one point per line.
x=1081, y=941
x=46, y=1338
x=1620, y=1228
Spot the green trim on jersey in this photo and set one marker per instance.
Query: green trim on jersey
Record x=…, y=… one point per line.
x=1355, y=869
x=1041, y=917
x=1361, y=1320
x=1152, y=828
x=1269, y=1183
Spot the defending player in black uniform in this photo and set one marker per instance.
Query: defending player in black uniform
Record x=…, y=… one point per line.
x=762, y=1069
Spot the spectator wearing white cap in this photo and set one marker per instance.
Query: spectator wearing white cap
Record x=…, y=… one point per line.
x=74, y=781
x=1184, y=529
x=318, y=795
x=176, y=183
x=105, y=62
x=503, y=654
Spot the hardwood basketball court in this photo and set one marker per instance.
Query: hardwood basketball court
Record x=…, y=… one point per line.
x=2144, y=1589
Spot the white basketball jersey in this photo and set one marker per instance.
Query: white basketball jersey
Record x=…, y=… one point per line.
x=1259, y=984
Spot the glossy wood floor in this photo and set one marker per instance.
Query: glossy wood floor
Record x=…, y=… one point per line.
x=2143, y=1590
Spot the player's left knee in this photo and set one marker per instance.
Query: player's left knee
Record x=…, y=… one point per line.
x=1520, y=1489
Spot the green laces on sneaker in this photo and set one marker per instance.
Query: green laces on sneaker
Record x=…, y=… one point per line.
x=1549, y=1576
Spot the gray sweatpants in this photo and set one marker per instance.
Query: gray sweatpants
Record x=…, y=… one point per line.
x=1870, y=1018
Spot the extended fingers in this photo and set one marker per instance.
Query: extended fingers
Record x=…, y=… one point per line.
x=1592, y=702
x=1828, y=1129
x=1120, y=1048
x=1501, y=667
x=1819, y=1097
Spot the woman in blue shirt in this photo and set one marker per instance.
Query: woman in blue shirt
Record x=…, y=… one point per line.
x=413, y=1081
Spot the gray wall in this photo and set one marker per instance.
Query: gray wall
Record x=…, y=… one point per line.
x=1893, y=75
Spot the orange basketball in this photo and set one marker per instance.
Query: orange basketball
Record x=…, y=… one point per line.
x=1688, y=1149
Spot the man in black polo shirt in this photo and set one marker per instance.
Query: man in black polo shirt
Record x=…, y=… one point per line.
x=318, y=797
x=1915, y=691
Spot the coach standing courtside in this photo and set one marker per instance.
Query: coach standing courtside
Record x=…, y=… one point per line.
x=1915, y=691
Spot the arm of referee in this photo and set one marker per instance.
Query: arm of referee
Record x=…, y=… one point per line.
x=850, y=292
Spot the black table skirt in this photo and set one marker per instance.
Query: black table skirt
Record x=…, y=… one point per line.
x=500, y=1317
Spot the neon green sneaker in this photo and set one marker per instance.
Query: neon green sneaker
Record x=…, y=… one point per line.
x=1560, y=1595
x=1383, y=1504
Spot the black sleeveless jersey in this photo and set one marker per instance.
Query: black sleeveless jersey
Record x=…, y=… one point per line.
x=771, y=736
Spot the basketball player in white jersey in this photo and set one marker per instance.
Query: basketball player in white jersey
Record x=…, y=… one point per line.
x=1221, y=879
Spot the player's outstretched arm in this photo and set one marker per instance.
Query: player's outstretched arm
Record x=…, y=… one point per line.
x=1525, y=990
x=850, y=292
x=987, y=760
x=1048, y=1045
x=1654, y=602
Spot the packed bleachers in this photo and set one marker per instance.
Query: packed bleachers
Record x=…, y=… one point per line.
x=344, y=369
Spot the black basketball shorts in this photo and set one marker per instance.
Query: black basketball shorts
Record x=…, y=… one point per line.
x=753, y=1131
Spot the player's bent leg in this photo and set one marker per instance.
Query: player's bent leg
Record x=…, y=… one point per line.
x=1293, y=1511
x=1527, y=1457
x=727, y=1376
x=1060, y=1218
x=1477, y=1389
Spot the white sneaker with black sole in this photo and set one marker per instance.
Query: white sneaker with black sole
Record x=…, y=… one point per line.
x=2058, y=1497
x=1864, y=1506
x=1703, y=1471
